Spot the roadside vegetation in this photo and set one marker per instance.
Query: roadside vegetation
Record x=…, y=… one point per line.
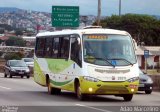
x=15, y=41
x=143, y=28
x=15, y=56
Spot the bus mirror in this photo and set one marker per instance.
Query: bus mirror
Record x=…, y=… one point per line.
x=135, y=44
x=79, y=41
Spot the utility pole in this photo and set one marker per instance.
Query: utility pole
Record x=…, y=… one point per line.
x=99, y=12
x=119, y=7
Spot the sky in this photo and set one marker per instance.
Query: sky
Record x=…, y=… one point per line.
x=89, y=7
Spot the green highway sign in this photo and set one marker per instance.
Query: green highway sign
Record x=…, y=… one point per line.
x=65, y=16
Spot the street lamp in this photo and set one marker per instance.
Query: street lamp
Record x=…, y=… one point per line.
x=119, y=7
x=99, y=12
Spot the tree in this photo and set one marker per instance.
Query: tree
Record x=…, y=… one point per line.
x=19, y=32
x=1, y=30
x=1, y=53
x=6, y=27
x=1, y=41
x=11, y=56
x=143, y=28
x=15, y=41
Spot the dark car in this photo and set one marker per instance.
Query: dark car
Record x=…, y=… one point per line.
x=146, y=83
x=16, y=68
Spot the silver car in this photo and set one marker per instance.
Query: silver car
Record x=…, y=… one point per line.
x=29, y=61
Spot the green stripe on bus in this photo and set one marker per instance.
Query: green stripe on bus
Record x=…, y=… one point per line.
x=60, y=83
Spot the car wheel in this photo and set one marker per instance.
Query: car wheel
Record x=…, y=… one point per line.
x=79, y=95
x=148, y=91
x=10, y=75
x=127, y=97
x=5, y=75
x=28, y=76
x=22, y=76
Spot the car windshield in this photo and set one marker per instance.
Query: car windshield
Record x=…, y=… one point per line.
x=117, y=50
x=28, y=60
x=17, y=63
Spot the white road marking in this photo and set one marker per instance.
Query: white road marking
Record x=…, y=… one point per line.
x=4, y=87
x=93, y=108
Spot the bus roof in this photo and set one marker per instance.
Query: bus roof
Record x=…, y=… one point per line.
x=83, y=31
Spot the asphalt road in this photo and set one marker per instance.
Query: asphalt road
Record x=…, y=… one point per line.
x=24, y=95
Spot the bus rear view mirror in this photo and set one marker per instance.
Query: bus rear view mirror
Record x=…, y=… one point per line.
x=135, y=44
x=79, y=41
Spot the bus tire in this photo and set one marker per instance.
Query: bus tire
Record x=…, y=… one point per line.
x=79, y=95
x=127, y=97
x=52, y=90
x=57, y=91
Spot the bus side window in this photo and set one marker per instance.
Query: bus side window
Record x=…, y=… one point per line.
x=48, y=47
x=76, y=51
x=64, y=49
x=55, y=48
x=40, y=44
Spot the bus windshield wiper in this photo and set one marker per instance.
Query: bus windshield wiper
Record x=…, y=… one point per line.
x=123, y=60
x=101, y=59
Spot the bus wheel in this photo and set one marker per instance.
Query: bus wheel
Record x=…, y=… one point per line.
x=127, y=97
x=52, y=90
x=80, y=96
x=57, y=91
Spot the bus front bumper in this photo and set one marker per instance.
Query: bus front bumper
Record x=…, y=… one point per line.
x=104, y=88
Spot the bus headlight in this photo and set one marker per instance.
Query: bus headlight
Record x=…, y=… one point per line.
x=133, y=79
x=90, y=79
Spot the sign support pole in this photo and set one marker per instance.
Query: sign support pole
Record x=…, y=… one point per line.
x=99, y=13
x=146, y=55
x=145, y=65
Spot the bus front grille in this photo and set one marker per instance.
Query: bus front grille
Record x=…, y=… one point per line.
x=112, y=89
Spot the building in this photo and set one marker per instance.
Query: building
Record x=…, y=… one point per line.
x=30, y=41
x=154, y=56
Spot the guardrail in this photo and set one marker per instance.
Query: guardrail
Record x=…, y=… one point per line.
x=14, y=49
